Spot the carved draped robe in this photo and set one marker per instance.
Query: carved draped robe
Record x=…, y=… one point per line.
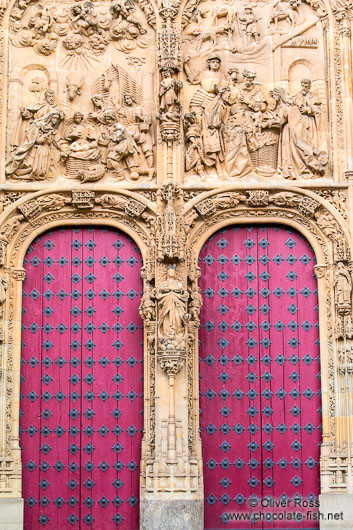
x=313, y=124
x=212, y=121
x=343, y=284
x=172, y=309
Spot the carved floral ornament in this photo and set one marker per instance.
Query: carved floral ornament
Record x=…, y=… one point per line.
x=312, y=212
x=38, y=211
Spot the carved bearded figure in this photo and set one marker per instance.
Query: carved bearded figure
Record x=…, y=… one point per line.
x=122, y=154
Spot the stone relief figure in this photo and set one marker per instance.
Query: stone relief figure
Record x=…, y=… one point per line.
x=31, y=113
x=147, y=308
x=74, y=84
x=194, y=155
x=83, y=26
x=212, y=121
x=313, y=125
x=122, y=153
x=210, y=81
x=138, y=121
x=81, y=151
x=33, y=159
x=168, y=97
x=284, y=10
x=248, y=26
x=172, y=314
x=296, y=156
x=262, y=145
x=237, y=156
x=237, y=131
x=343, y=286
x=233, y=83
x=194, y=35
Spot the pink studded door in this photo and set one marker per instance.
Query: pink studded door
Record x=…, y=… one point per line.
x=260, y=400
x=81, y=381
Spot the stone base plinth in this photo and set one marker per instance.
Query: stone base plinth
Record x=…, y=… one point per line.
x=11, y=514
x=171, y=515
x=337, y=510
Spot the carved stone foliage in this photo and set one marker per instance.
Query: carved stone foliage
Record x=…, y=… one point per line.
x=259, y=105
x=81, y=105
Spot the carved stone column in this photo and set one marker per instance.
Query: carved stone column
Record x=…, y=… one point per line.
x=11, y=503
x=171, y=483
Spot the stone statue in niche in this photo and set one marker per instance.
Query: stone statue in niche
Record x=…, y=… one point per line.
x=148, y=307
x=172, y=313
x=169, y=87
x=34, y=158
x=343, y=287
x=169, y=103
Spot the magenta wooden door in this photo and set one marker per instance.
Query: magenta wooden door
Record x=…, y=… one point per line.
x=260, y=376
x=81, y=381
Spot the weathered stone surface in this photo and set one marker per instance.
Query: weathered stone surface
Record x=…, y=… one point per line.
x=337, y=510
x=11, y=514
x=171, y=515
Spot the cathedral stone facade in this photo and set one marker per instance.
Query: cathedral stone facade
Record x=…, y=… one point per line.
x=159, y=125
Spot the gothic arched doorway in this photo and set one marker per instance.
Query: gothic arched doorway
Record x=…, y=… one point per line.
x=260, y=399
x=81, y=380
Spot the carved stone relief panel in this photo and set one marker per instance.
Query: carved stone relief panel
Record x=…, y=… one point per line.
x=255, y=90
x=81, y=93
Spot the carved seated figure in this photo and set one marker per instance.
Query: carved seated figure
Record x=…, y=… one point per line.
x=81, y=146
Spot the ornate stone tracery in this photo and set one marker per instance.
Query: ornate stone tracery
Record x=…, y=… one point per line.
x=170, y=155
